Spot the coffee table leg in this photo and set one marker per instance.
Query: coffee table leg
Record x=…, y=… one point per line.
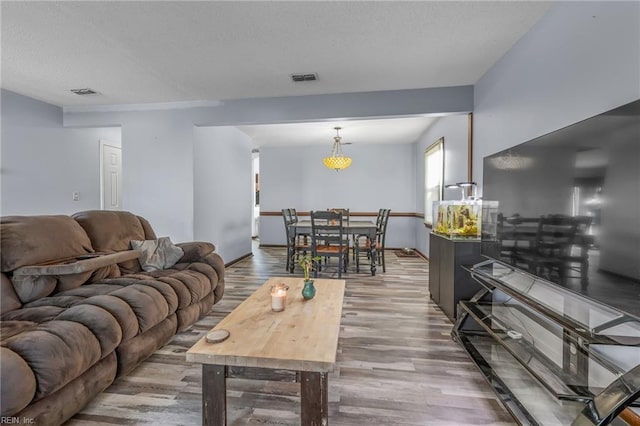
x=214, y=395
x=314, y=399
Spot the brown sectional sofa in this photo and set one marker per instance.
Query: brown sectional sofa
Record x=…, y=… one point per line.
x=77, y=311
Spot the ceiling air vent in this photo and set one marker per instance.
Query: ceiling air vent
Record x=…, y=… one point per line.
x=84, y=92
x=304, y=77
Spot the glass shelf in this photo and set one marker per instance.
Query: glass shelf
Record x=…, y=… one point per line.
x=521, y=392
x=553, y=356
x=527, y=399
x=541, y=347
x=583, y=315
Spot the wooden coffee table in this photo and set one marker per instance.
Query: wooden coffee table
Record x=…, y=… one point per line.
x=302, y=338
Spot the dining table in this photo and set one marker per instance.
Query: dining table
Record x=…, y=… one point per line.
x=349, y=227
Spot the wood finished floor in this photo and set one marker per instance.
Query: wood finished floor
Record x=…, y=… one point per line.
x=397, y=364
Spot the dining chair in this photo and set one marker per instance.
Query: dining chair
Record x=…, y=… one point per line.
x=577, y=258
x=357, y=237
x=327, y=238
x=343, y=212
x=296, y=242
x=345, y=220
x=286, y=216
x=556, y=234
x=550, y=251
x=302, y=238
x=362, y=243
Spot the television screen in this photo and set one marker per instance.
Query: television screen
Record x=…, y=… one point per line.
x=568, y=207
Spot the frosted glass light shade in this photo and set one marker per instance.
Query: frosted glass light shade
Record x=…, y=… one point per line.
x=337, y=160
x=337, y=163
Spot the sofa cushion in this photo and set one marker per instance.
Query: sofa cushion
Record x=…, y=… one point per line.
x=195, y=251
x=99, y=295
x=137, y=303
x=11, y=328
x=99, y=321
x=205, y=269
x=112, y=231
x=33, y=287
x=134, y=351
x=8, y=298
x=59, y=300
x=59, y=407
x=181, y=290
x=32, y=240
x=18, y=382
x=148, y=230
x=37, y=314
x=57, y=352
x=120, y=310
x=104, y=326
x=189, y=285
x=95, y=289
x=147, y=303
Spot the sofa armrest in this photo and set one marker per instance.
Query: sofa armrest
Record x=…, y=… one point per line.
x=217, y=263
x=198, y=251
x=195, y=251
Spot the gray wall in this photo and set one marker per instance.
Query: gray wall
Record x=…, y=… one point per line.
x=381, y=176
x=581, y=59
x=44, y=163
x=157, y=150
x=455, y=130
x=158, y=145
x=222, y=190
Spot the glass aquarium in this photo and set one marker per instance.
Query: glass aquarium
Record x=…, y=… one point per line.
x=458, y=219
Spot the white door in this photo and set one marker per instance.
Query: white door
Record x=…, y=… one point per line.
x=111, y=177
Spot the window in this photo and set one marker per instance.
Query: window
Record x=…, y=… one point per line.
x=433, y=177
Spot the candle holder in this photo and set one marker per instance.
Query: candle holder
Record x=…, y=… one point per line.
x=279, y=297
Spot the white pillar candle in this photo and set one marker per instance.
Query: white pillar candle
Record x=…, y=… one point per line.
x=278, y=299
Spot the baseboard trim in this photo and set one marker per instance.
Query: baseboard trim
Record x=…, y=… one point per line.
x=422, y=255
x=234, y=261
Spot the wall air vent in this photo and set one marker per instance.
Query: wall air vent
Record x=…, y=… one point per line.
x=304, y=77
x=84, y=92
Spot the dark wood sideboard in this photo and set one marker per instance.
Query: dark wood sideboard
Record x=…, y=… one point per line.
x=448, y=282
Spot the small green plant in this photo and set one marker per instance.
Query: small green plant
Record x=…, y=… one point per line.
x=308, y=262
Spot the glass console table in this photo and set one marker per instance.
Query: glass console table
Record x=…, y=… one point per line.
x=554, y=357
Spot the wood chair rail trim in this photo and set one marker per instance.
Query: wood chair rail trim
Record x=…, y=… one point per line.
x=352, y=214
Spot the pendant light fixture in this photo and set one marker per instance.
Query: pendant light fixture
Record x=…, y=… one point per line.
x=337, y=160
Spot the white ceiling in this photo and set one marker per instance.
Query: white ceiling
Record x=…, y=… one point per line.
x=181, y=51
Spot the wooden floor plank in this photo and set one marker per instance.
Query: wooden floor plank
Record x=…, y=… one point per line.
x=397, y=364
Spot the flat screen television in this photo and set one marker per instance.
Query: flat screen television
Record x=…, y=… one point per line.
x=568, y=207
